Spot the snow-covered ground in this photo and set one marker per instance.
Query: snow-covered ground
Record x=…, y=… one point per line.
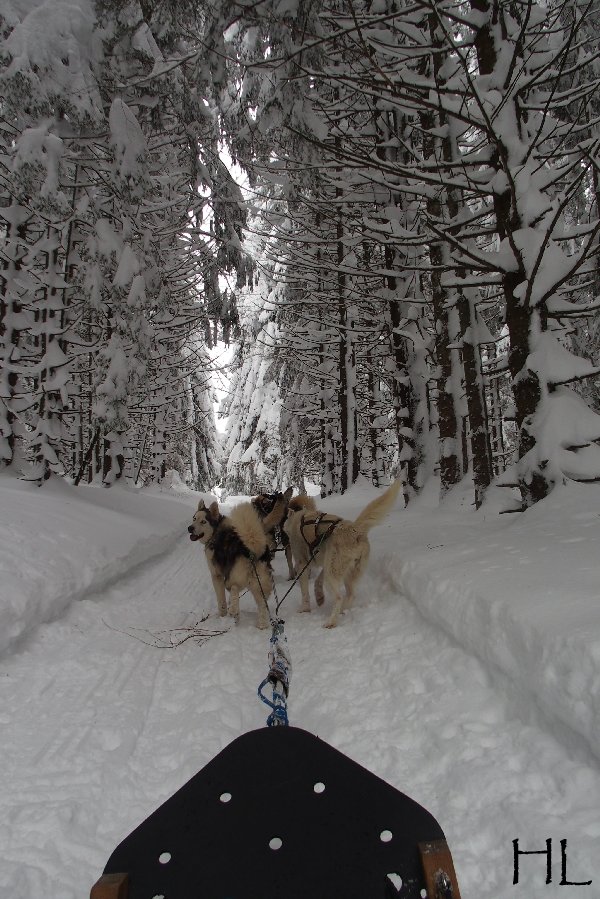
x=467, y=676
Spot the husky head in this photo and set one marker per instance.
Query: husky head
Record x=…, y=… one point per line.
x=205, y=522
x=297, y=507
x=265, y=504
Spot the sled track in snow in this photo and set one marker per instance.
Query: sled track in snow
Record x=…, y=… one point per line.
x=100, y=728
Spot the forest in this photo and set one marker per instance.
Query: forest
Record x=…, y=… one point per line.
x=376, y=223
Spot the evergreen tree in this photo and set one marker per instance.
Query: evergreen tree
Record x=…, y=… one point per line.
x=121, y=211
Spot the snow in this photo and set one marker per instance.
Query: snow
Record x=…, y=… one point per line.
x=565, y=425
x=554, y=363
x=37, y=147
x=53, y=48
x=127, y=139
x=467, y=675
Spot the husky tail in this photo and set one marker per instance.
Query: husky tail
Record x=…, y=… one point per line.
x=246, y=522
x=378, y=508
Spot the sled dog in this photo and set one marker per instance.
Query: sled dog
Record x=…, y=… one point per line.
x=263, y=504
x=341, y=549
x=237, y=552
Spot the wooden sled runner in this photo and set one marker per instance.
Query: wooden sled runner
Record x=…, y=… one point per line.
x=279, y=813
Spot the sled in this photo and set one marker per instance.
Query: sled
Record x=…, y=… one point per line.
x=281, y=813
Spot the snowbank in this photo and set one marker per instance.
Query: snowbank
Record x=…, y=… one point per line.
x=518, y=591
x=58, y=543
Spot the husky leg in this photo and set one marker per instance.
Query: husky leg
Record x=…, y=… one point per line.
x=305, y=605
x=261, y=587
x=333, y=587
x=234, y=603
x=262, y=611
x=319, y=592
x=349, y=585
x=356, y=573
x=219, y=585
x=290, y=562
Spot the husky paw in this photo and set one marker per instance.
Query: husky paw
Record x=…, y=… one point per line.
x=304, y=608
x=330, y=624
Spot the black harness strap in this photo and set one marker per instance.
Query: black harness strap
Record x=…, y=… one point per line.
x=315, y=521
x=267, y=556
x=314, y=548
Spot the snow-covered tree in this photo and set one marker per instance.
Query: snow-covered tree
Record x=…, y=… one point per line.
x=111, y=145
x=252, y=446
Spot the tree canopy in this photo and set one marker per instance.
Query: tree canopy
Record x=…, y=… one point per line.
x=408, y=266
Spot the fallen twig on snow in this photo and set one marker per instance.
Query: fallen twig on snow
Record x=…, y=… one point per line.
x=170, y=638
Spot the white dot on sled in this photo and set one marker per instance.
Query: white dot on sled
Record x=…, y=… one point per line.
x=385, y=836
x=275, y=843
x=164, y=858
x=319, y=787
x=225, y=797
x=396, y=880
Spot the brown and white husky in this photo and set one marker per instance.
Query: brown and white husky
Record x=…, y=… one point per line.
x=238, y=553
x=264, y=502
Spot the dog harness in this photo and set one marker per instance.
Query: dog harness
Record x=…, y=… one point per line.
x=322, y=526
x=264, y=505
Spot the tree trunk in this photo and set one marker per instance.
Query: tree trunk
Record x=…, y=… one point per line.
x=387, y=126
x=450, y=469
x=11, y=312
x=526, y=386
x=347, y=370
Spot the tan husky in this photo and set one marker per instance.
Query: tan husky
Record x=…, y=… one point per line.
x=339, y=547
x=238, y=554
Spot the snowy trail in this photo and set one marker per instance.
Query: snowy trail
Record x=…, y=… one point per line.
x=99, y=728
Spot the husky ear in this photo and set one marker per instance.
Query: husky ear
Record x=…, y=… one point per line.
x=213, y=514
x=201, y=505
x=288, y=494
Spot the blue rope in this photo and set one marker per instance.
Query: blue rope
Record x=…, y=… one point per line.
x=279, y=676
x=279, y=714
